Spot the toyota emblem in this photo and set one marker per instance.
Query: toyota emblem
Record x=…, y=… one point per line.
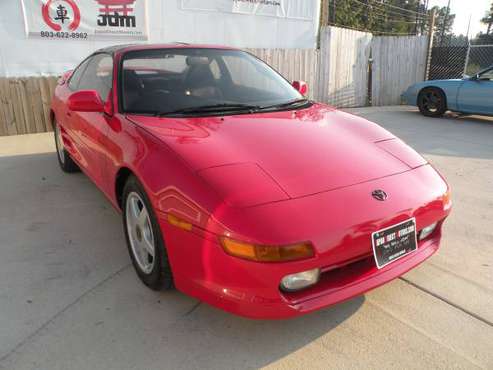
x=379, y=195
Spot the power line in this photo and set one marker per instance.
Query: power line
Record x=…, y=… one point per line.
x=370, y=31
x=387, y=18
x=397, y=7
x=393, y=12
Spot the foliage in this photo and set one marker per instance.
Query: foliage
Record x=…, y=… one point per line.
x=390, y=17
x=486, y=38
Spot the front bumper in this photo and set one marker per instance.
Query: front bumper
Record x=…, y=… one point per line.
x=409, y=97
x=203, y=270
x=248, y=289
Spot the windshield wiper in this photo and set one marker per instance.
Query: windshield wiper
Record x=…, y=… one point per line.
x=224, y=107
x=289, y=104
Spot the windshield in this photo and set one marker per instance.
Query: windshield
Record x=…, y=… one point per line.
x=187, y=81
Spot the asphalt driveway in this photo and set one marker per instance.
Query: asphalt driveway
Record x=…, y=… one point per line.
x=69, y=298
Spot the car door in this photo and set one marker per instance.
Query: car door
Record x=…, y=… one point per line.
x=91, y=128
x=65, y=116
x=476, y=94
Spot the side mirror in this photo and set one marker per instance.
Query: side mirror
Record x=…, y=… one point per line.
x=301, y=86
x=474, y=78
x=85, y=101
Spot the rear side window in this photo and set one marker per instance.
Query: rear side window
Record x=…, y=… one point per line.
x=98, y=75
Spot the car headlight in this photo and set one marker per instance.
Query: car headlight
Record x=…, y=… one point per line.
x=301, y=280
x=426, y=232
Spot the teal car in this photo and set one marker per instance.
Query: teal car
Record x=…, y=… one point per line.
x=470, y=95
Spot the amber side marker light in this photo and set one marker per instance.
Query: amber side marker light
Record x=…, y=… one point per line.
x=447, y=199
x=178, y=222
x=267, y=253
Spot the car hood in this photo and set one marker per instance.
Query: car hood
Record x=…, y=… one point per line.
x=258, y=158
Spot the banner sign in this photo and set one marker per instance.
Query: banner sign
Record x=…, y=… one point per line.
x=86, y=19
x=291, y=9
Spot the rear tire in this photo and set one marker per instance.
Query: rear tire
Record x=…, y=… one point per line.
x=432, y=102
x=64, y=160
x=144, y=238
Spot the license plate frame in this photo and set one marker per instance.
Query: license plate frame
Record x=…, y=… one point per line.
x=394, y=242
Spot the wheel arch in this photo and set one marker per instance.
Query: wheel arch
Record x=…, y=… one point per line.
x=52, y=119
x=121, y=178
x=433, y=87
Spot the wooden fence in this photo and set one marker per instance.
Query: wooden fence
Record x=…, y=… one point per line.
x=336, y=74
x=398, y=62
x=25, y=105
x=343, y=77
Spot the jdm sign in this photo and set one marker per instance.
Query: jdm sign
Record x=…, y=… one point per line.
x=86, y=19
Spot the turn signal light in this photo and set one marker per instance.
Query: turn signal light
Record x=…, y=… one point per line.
x=178, y=222
x=447, y=199
x=267, y=253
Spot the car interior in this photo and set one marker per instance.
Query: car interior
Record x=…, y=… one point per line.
x=149, y=87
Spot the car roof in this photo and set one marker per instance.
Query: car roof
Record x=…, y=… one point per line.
x=174, y=45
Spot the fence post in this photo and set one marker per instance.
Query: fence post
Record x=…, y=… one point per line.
x=467, y=56
x=430, y=44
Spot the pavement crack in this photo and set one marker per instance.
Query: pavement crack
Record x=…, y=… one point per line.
x=194, y=307
x=61, y=312
x=449, y=302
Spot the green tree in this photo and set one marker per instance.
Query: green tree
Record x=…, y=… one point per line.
x=384, y=17
x=488, y=19
x=444, y=22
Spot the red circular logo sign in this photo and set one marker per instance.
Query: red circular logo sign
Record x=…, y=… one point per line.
x=56, y=21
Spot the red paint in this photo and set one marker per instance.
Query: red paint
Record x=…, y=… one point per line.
x=301, y=86
x=270, y=178
x=85, y=101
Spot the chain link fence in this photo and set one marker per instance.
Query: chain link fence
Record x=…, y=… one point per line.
x=453, y=61
x=479, y=57
x=447, y=62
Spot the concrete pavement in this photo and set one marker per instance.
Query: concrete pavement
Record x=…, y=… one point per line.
x=69, y=298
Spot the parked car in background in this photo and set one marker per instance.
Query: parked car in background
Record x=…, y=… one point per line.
x=235, y=188
x=470, y=95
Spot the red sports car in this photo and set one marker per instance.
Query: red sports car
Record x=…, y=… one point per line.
x=236, y=189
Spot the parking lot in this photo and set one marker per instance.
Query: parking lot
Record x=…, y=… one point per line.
x=69, y=298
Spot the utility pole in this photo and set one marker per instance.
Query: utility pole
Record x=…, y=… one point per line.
x=324, y=19
x=430, y=43
x=324, y=13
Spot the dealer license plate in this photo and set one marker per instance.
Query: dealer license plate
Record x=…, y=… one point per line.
x=394, y=242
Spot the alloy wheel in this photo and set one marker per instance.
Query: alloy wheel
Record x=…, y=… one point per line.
x=140, y=233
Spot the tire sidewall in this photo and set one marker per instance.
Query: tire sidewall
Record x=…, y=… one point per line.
x=68, y=165
x=57, y=144
x=160, y=275
x=440, y=112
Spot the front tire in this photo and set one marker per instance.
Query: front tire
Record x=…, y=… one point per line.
x=64, y=160
x=144, y=238
x=432, y=102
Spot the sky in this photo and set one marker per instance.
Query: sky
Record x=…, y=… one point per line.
x=463, y=9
